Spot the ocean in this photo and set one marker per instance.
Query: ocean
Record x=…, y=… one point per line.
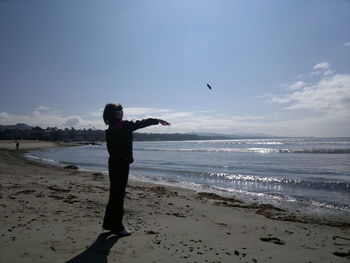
x=305, y=174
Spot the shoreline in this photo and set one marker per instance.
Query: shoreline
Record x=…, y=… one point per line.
x=52, y=214
x=277, y=209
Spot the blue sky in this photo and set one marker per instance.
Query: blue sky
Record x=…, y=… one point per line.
x=276, y=67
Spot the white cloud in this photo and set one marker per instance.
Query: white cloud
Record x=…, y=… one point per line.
x=346, y=44
x=137, y=111
x=42, y=108
x=328, y=72
x=296, y=85
x=35, y=114
x=320, y=108
x=49, y=118
x=95, y=114
x=322, y=68
x=73, y=121
x=5, y=118
x=322, y=65
x=328, y=95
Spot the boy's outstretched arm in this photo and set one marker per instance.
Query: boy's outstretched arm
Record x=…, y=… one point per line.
x=148, y=122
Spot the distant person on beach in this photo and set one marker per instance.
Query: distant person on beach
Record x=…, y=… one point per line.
x=119, y=146
x=17, y=145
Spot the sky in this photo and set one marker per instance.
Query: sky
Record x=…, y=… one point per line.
x=276, y=67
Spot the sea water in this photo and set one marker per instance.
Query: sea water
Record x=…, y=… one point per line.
x=305, y=173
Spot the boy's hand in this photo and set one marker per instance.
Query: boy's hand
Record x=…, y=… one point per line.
x=165, y=123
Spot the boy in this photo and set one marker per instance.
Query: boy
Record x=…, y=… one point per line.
x=119, y=145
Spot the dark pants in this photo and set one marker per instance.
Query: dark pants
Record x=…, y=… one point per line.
x=118, y=177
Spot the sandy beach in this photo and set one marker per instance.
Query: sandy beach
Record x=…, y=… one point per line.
x=52, y=214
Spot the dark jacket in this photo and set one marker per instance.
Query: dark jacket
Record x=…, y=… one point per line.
x=119, y=139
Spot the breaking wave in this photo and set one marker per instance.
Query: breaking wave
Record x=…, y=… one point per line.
x=252, y=150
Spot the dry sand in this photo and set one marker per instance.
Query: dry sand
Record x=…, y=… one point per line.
x=51, y=214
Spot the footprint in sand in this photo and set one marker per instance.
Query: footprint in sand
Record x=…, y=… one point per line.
x=151, y=232
x=273, y=240
x=342, y=254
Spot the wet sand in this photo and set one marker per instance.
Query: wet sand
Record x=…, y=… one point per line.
x=51, y=214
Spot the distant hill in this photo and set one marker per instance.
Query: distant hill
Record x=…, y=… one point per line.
x=18, y=126
x=22, y=131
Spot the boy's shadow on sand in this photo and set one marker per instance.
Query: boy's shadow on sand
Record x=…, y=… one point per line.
x=98, y=251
